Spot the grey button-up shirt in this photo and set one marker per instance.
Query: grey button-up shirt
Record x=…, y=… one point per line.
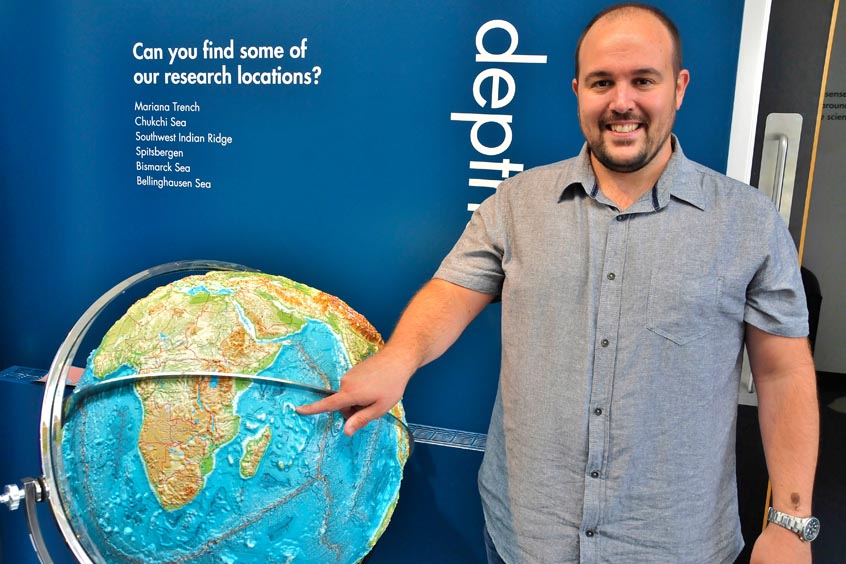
x=613, y=432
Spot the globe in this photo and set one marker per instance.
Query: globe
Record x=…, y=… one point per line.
x=181, y=442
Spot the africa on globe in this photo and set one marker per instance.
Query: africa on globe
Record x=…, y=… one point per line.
x=181, y=441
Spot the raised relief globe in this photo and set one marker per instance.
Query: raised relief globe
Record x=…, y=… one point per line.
x=181, y=442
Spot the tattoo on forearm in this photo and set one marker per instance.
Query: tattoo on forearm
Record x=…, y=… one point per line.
x=795, y=499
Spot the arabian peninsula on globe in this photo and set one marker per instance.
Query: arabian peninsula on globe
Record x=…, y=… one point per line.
x=214, y=469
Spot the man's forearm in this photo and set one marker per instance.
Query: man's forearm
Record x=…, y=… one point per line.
x=434, y=319
x=788, y=413
x=789, y=419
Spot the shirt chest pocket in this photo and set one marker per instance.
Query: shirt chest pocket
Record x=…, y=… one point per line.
x=682, y=306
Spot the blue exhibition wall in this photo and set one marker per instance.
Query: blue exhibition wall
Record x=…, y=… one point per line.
x=337, y=149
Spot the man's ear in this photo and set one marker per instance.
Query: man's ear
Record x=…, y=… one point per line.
x=681, y=85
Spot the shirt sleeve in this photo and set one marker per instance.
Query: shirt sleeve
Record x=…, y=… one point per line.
x=775, y=298
x=476, y=260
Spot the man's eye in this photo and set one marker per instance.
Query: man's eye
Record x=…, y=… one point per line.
x=601, y=84
x=644, y=82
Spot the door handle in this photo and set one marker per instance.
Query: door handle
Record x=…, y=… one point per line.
x=781, y=165
x=779, y=156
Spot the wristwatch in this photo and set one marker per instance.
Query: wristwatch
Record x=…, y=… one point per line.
x=807, y=528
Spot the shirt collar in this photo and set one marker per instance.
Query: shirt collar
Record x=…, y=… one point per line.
x=678, y=179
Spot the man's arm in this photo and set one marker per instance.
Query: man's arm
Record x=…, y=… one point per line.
x=788, y=414
x=433, y=320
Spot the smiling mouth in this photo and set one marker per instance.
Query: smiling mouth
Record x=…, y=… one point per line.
x=622, y=127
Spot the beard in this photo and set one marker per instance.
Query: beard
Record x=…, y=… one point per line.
x=631, y=164
x=652, y=145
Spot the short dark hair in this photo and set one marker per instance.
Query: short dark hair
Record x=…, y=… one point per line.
x=631, y=7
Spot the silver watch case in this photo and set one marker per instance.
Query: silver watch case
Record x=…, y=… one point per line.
x=807, y=528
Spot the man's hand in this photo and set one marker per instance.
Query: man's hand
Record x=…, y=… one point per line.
x=777, y=545
x=368, y=390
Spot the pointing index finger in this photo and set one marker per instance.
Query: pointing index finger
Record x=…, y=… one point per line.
x=335, y=402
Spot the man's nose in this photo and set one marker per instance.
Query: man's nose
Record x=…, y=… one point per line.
x=623, y=100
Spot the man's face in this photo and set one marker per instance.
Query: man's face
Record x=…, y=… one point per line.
x=627, y=93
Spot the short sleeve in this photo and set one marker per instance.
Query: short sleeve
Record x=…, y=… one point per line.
x=476, y=260
x=775, y=298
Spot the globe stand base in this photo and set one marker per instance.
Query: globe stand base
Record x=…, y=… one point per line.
x=34, y=491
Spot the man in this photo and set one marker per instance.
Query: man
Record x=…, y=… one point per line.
x=630, y=277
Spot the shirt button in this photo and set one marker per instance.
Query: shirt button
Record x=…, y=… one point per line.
x=597, y=411
x=621, y=218
x=604, y=342
x=594, y=474
x=611, y=276
x=589, y=533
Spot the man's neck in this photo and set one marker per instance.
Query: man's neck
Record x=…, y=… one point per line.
x=625, y=188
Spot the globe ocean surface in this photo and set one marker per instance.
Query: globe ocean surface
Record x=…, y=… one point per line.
x=189, y=468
